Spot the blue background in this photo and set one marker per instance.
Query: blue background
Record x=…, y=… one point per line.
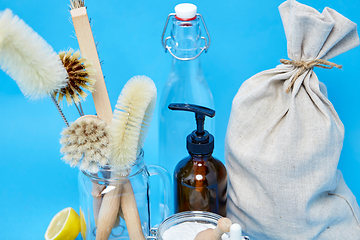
x=247, y=37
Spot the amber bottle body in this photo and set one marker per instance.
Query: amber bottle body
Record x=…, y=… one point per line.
x=200, y=185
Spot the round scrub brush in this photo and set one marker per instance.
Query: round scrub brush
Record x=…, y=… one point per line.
x=28, y=59
x=86, y=143
x=79, y=77
x=132, y=116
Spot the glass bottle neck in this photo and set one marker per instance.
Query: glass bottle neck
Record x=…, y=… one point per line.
x=185, y=38
x=199, y=158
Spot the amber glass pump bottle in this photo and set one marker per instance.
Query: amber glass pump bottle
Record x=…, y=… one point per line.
x=200, y=180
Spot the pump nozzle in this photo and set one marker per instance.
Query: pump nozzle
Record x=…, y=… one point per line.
x=199, y=141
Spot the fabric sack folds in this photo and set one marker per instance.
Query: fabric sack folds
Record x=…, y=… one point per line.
x=282, y=149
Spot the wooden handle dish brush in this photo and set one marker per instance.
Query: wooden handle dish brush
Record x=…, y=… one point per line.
x=223, y=226
x=128, y=130
x=132, y=117
x=100, y=96
x=111, y=200
x=88, y=50
x=87, y=140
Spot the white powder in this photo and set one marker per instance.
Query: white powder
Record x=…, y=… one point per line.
x=187, y=231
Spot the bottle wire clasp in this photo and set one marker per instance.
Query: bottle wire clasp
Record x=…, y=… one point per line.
x=168, y=48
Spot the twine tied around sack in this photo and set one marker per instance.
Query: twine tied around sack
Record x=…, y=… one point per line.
x=305, y=66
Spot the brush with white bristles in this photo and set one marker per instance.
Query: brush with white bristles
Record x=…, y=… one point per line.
x=85, y=144
x=28, y=59
x=132, y=116
x=128, y=130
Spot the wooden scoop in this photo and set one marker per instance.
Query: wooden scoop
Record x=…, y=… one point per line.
x=223, y=226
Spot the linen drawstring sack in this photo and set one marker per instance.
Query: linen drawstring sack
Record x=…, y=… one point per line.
x=284, y=139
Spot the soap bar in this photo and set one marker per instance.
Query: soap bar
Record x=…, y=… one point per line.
x=187, y=231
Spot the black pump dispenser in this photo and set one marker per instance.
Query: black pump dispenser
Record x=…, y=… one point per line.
x=200, y=141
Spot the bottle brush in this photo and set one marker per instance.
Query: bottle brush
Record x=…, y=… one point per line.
x=129, y=126
x=132, y=116
x=28, y=59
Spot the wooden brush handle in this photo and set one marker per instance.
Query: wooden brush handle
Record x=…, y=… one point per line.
x=97, y=199
x=108, y=212
x=97, y=188
x=111, y=201
x=88, y=50
x=131, y=214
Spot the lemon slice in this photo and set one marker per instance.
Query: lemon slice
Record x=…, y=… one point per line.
x=65, y=225
x=83, y=225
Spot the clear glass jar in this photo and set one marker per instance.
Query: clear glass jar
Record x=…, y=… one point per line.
x=183, y=217
x=124, y=193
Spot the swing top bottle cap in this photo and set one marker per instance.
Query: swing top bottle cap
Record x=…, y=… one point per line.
x=185, y=11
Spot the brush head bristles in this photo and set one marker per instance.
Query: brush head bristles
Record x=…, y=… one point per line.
x=132, y=116
x=79, y=72
x=77, y=4
x=29, y=59
x=85, y=144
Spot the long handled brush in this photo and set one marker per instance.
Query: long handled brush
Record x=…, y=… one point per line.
x=85, y=144
x=132, y=116
x=88, y=49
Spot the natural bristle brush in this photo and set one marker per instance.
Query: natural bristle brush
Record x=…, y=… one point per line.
x=85, y=144
x=80, y=73
x=132, y=116
x=37, y=69
x=100, y=95
x=28, y=59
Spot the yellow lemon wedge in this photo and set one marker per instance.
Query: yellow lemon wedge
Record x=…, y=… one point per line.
x=65, y=225
x=83, y=225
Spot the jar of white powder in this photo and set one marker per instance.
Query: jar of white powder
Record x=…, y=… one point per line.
x=185, y=226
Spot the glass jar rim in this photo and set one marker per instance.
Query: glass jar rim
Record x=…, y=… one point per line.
x=190, y=215
x=119, y=174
